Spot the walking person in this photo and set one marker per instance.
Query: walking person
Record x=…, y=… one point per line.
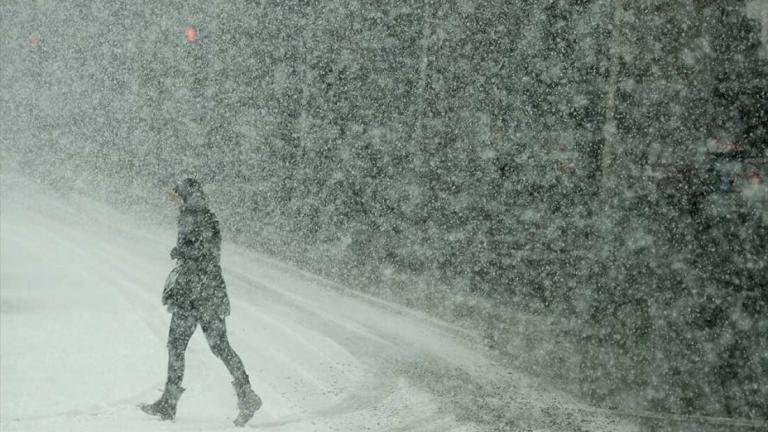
x=195, y=293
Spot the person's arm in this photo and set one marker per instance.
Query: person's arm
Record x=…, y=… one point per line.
x=199, y=241
x=189, y=245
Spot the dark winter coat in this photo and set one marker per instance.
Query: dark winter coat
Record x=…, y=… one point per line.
x=199, y=286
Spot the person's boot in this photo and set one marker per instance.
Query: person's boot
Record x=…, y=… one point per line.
x=165, y=407
x=248, y=402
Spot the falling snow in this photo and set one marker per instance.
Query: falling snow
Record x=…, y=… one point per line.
x=502, y=215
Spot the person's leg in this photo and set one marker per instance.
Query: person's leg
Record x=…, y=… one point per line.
x=181, y=330
x=215, y=330
x=247, y=400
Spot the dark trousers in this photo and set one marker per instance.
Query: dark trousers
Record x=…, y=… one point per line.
x=183, y=325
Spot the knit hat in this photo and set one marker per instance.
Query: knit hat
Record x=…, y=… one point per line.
x=191, y=192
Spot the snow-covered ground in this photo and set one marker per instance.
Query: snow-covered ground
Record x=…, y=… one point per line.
x=83, y=340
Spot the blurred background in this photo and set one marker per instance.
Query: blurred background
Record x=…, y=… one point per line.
x=581, y=180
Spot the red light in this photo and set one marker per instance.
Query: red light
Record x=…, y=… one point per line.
x=191, y=34
x=755, y=177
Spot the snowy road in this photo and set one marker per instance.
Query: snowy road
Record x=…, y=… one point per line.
x=83, y=338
